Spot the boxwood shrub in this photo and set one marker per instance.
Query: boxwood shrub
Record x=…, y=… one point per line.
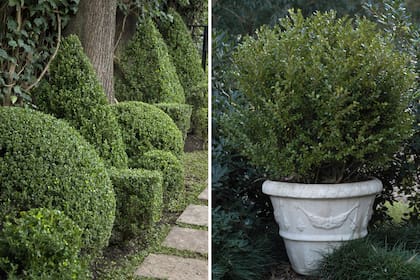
x=139, y=195
x=72, y=91
x=41, y=244
x=184, y=53
x=145, y=127
x=179, y=113
x=145, y=69
x=324, y=97
x=173, y=175
x=45, y=163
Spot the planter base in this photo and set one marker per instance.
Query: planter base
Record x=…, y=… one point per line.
x=316, y=218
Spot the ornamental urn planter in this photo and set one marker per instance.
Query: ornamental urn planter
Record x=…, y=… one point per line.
x=316, y=218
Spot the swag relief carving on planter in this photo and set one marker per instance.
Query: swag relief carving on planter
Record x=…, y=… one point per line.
x=330, y=222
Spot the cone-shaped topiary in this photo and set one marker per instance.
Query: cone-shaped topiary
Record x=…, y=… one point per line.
x=72, y=91
x=146, y=70
x=184, y=56
x=146, y=127
x=45, y=163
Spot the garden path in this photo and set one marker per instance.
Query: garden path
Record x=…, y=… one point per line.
x=190, y=235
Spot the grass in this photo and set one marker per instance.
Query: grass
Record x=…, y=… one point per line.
x=119, y=263
x=391, y=252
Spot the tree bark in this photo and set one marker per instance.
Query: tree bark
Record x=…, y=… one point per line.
x=94, y=23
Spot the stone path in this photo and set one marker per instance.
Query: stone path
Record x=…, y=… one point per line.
x=182, y=238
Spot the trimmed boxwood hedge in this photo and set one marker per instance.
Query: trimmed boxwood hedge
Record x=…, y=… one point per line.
x=145, y=127
x=72, y=91
x=180, y=114
x=145, y=71
x=173, y=175
x=41, y=244
x=184, y=53
x=139, y=196
x=46, y=163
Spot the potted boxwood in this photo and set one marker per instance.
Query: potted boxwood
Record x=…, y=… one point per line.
x=325, y=103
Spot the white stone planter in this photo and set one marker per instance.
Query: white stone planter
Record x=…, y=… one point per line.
x=314, y=218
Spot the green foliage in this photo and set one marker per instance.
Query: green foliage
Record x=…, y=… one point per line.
x=44, y=162
x=145, y=128
x=41, y=244
x=245, y=16
x=139, y=202
x=183, y=52
x=28, y=38
x=72, y=91
x=200, y=123
x=324, y=98
x=369, y=259
x=195, y=13
x=173, y=175
x=146, y=69
x=179, y=113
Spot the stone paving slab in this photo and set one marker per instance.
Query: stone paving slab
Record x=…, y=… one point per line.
x=187, y=239
x=173, y=268
x=194, y=215
x=204, y=195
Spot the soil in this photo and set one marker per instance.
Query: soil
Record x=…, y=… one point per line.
x=194, y=143
x=283, y=271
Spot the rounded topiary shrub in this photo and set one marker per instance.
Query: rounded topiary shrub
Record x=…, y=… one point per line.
x=145, y=69
x=41, y=244
x=72, y=91
x=324, y=97
x=145, y=127
x=179, y=113
x=173, y=176
x=46, y=163
x=184, y=53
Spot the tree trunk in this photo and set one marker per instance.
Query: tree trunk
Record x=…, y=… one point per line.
x=94, y=23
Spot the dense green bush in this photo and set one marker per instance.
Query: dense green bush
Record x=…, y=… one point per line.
x=183, y=52
x=145, y=69
x=41, y=244
x=72, y=91
x=324, y=98
x=173, y=175
x=44, y=162
x=200, y=123
x=180, y=114
x=145, y=127
x=139, y=195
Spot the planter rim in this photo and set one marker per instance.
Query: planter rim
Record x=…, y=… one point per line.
x=319, y=191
